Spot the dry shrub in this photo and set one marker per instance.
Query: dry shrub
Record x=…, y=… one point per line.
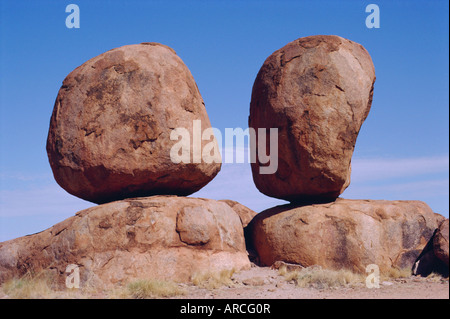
x=436, y=277
x=43, y=285
x=213, y=280
x=144, y=288
x=396, y=273
x=317, y=277
x=29, y=287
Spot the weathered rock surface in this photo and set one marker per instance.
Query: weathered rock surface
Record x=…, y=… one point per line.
x=109, y=135
x=317, y=91
x=441, y=242
x=162, y=237
x=245, y=214
x=434, y=257
x=428, y=263
x=346, y=233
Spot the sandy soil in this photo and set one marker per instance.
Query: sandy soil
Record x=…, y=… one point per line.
x=266, y=283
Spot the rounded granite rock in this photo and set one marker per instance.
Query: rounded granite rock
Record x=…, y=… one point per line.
x=109, y=135
x=317, y=91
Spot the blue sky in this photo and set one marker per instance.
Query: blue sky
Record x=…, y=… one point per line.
x=402, y=151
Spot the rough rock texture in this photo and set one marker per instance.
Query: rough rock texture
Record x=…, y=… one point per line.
x=245, y=213
x=428, y=262
x=441, y=242
x=163, y=237
x=109, y=135
x=344, y=234
x=317, y=91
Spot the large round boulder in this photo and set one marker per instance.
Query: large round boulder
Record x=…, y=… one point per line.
x=110, y=131
x=317, y=91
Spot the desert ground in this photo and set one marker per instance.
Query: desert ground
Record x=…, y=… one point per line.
x=254, y=283
x=267, y=283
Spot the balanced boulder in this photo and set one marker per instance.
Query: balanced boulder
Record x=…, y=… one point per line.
x=350, y=234
x=159, y=237
x=110, y=131
x=317, y=91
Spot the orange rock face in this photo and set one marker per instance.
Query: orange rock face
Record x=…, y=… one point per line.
x=159, y=237
x=109, y=135
x=347, y=233
x=317, y=91
x=441, y=242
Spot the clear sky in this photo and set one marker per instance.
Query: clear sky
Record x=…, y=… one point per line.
x=402, y=151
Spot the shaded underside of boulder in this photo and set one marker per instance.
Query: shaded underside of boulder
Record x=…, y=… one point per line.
x=441, y=242
x=434, y=257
